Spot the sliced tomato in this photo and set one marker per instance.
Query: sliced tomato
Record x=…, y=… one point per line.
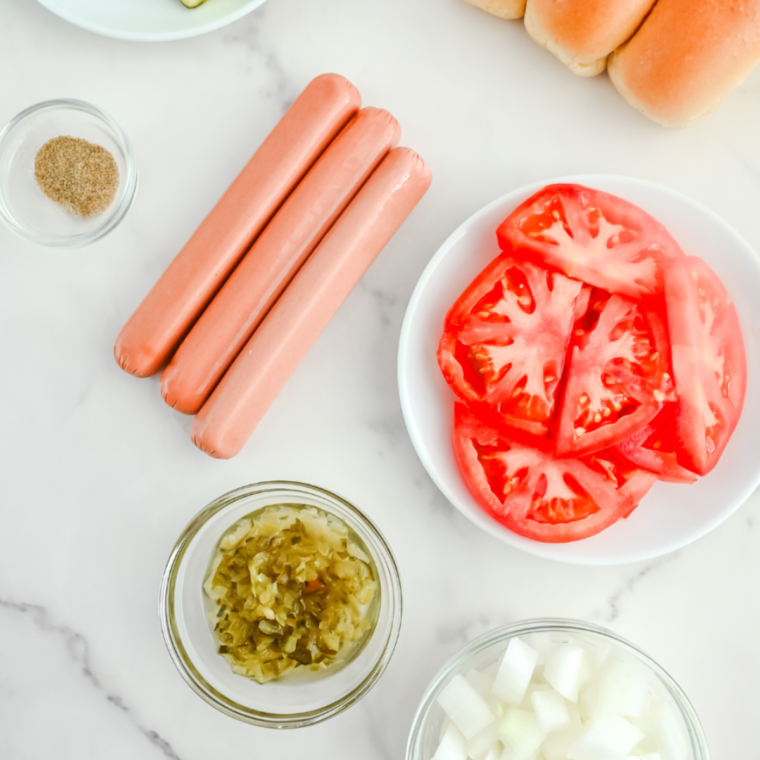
x=582, y=303
x=655, y=448
x=541, y=497
x=505, y=341
x=631, y=481
x=591, y=236
x=617, y=377
x=709, y=361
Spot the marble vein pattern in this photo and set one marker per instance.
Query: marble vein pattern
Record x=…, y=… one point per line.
x=77, y=648
x=612, y=608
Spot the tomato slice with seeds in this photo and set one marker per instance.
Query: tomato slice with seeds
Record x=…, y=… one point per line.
x=593, y=358
x=631, y=482
x=505, y=341
x=655, y=448
x=709, y=362
x=591, y=236
x=618, y=377
x=538, y=496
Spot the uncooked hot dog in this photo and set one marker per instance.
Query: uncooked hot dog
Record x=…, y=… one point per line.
x=150, y=337
x=282, y=340
x=249, y=293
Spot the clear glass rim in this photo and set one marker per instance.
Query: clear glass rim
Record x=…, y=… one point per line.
x=113, y=216
x=392, y=597
x=543, y=625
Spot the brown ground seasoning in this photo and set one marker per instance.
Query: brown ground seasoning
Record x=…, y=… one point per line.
x=77, y=174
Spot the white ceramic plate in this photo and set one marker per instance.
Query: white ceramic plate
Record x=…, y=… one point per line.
x=150, y=20
x=670, y=515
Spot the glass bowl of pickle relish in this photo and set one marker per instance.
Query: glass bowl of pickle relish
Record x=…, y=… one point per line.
x=281, y=604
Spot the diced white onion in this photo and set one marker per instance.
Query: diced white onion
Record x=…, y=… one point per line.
x=453, y=745
x=564, y=670
x=575, y=715
x=515, y=672
x=603, y=691
x=521, y=707
x=466, y=708
x=663, y=733
x=542, y=643
x=621, y=686
x=634, y=695
x=601, y=653
x=557, y=744
x=479, y=681
x=491, y=671
x=481, y=744
x=533, y=687
x=551, y=710
x=520, y=734
x=482, y=683
x=610, y=737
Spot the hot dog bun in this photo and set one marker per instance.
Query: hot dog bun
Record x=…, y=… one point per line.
x=501, y=8
x=292, y=326
x=686, y=56
x=154, y=331
x=582, y=33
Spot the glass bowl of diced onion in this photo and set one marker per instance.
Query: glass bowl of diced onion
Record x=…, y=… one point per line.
x=554, y=689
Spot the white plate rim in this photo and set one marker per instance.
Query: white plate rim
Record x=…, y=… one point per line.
x=106, y=31
x=481, y=518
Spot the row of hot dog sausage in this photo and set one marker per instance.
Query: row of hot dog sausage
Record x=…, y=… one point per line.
x=317, y=202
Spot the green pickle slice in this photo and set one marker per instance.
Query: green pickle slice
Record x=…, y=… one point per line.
x=292, y=587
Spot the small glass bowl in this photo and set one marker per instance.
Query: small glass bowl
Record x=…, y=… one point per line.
x=486, y=649
x=25, y=208
x=286, y=703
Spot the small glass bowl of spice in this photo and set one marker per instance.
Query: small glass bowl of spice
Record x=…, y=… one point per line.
x=67, y=174
x=281, y=604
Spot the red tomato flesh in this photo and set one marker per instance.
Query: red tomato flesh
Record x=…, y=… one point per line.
x=592, y=358
x=617, y=377
x=591, y=236
x=505, y=341
x=539, y=496
x=709, y=363
x=655, y=448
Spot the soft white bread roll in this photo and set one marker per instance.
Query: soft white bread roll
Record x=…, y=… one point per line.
x=686, y=56
x=501, y=8
x=582, y=33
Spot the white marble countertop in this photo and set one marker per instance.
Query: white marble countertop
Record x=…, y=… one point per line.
x=99, y=477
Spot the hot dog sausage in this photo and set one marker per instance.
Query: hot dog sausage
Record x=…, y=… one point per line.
x=154, y=331
x=241, y=304
x=282, y=340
